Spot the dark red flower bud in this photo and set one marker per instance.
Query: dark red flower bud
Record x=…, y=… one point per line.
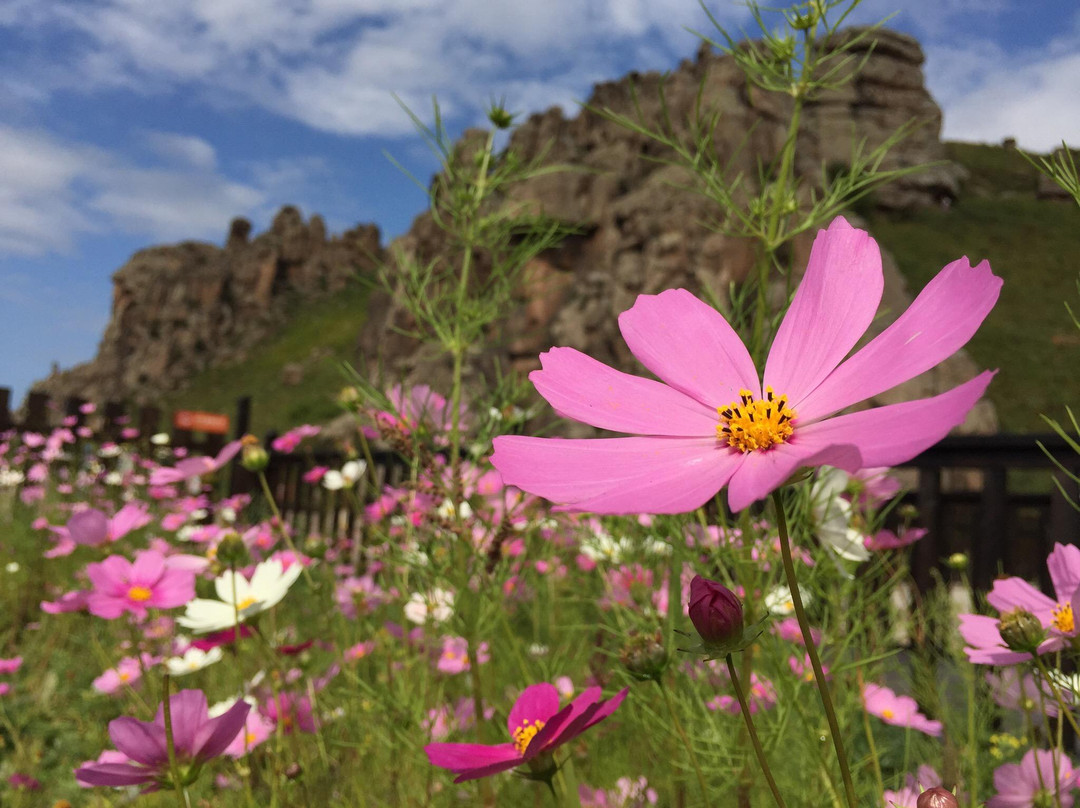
x=937, y=797
x=715, y=611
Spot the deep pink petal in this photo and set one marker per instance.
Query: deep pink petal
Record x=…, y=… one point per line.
x=188, y=712
x=176, y=587
x=473, y=760
x=594, y=715
x=580, y=388
x=936, y=325
x=897, y=432
x=114, y=774
x=214, y=736
x=1064, y=566
x=142, y=741
x=764, y=471
x=537, y=702
x=690, y=346
x=617, y=475
x=1016, y=593
x=834, y=305
x=89, y=526
x=552, y=733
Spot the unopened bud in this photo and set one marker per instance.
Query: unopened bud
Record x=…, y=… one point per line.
x=644, y=656
x=937, y=797
x=348, y=396
x=957, y=561
x=715, y=611
x=232, y=552
x=314, y=547
x=499, y=116
x=1021, y=631
x=293, y=771
x=253, y=456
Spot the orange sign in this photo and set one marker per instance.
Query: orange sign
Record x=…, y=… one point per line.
x=194, y=421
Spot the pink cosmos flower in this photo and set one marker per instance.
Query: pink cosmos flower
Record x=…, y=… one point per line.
x=287, y=443
x=147, y=583
x=1031, y=782
x=626, y=794
x=536, y=725
x=193, y=467
x=454, y=657
x=900, y=711
x=761, y=695
x=196, y=738
x=713, y=422
x=1057, y=615
x=8, y=666
x=128, y=672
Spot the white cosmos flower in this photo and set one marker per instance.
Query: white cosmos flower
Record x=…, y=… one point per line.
x=194, y=659
x=437, y=605
x=160, y=439
x=779, y=601
x=834, y=517
x=267, y=587
x=349, y=475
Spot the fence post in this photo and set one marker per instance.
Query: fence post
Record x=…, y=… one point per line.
x=242, y=481
x=37, y=412
x=5, y=409
x=992, y=526
x=925, y=553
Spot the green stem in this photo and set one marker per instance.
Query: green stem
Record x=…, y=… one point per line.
x=282, y=529
x=686, y=742
x=1062, y=706
x=811, y=651
x=758, y=750
x=563, y=788
x=170, y=745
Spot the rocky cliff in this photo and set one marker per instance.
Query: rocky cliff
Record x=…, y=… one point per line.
x=179, y=309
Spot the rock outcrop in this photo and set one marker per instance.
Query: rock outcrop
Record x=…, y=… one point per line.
x=641, y=231
x=180, y=309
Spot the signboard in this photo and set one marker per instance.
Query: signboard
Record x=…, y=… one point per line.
x=212, y=423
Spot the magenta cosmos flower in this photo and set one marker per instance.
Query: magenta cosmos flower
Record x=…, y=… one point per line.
x=712, y=421
x=196, y=739
x=536, y=725
x=1057, y=615
x=147, y=583
x=192, y=467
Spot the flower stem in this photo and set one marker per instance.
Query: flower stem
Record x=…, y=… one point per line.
x=1063, y=708
x=811, y=651
x=282, y=529
x=686, y=741
x=758, y=750
x=170, y=745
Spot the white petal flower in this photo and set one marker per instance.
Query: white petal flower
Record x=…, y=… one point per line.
x=437, y=605
x=779, y=601
x=333, y=481
x=267, y=587
x=194, y=659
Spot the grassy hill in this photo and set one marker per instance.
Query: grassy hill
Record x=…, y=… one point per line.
x=1033, y=244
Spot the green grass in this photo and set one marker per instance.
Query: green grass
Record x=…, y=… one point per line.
x=1034, y=245
x=320, y=335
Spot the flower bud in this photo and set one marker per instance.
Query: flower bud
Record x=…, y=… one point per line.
x=253, y=456
x=500, y=118
x=644, y=656
x=715, y=612
x=314, y=546
x=1021, y=631
x=937, y=797
x=957, y=561
x=232, y=552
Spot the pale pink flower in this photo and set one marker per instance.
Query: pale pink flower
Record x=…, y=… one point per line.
x=454, y=657
x=713, y=422
x=1033, y=783
x=900, y=711
x=193, y=467
x=127, y=672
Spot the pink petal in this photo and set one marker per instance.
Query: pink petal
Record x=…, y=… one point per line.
x=762, y=472
x=897, y=432
x=147, y=569
x=986, y=646
x=88, y=526
x=188, y=712
x=1064, y=566
x=690, y=346
x=617, y=475
x=113, y=774
x=142, y=741
x=581, y=388
x=597, y=713
x=214, y=736
x=1016, y=593
x=536, y=703
x=834, y=305
x=553, y=732
x=936, y=325
x=111, y=575
x=473, y=760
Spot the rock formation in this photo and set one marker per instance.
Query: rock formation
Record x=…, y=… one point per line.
x=179, y=309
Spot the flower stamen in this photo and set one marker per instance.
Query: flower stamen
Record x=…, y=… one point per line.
x=749, y=425
x=139, y=594
x=1063, y=619
x=524, y=734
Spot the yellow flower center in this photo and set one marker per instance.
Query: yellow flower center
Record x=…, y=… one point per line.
x=245, y=603
x=139, y=593
x=886, y=713
x=524, y=734
x=1063, y=619
x=748, y=425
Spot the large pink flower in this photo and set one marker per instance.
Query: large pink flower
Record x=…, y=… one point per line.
x=1032, y=782
x=149, y=582
x=711, y=421
x=537, y=726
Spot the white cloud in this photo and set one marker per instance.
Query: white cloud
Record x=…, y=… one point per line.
x=187, y=150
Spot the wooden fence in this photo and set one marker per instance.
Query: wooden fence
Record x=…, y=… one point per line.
x=989, y=496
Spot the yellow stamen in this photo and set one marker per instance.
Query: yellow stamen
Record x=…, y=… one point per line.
x=1063, y=619
x=245, y=603
x=139, y=593
x=888, y=714
x=524, y=734
x=748, y=425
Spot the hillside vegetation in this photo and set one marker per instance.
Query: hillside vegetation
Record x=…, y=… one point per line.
x=1033, y=244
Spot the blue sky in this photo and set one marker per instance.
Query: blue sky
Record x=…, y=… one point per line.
x=126, y=123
